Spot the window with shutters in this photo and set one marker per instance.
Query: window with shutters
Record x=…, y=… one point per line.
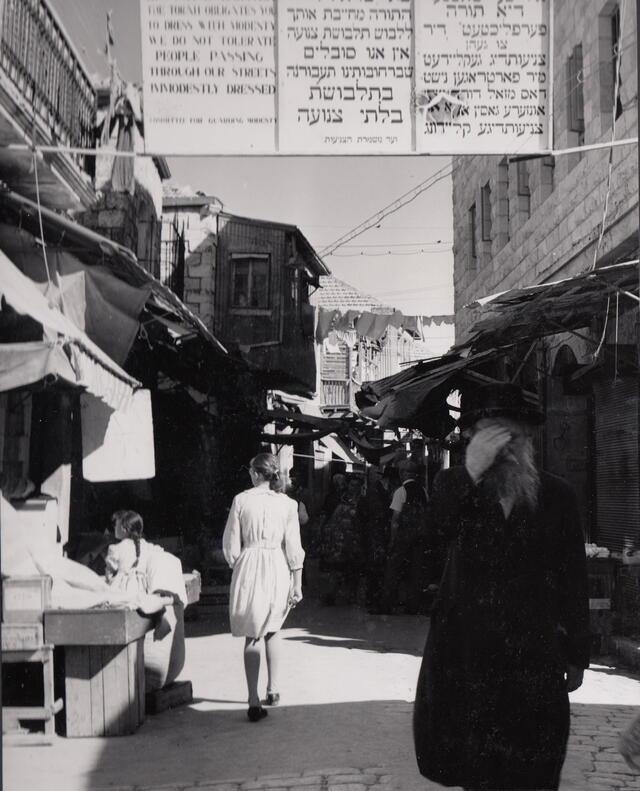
x=502, y=204
x=250, y=281
x=610, y=64
x=616, y=61
x=485, y=208
x=473, y=255
x=575, y=93
x=524, y=192
x=547, y=165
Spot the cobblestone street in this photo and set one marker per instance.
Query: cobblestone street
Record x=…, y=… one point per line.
x=344, y=723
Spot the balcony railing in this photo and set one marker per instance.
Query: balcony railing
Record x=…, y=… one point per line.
x=335, y=394
x=41, y=64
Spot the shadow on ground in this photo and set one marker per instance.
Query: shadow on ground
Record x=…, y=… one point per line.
x=340, y=627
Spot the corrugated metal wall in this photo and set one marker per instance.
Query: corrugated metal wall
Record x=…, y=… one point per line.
x=616, y=453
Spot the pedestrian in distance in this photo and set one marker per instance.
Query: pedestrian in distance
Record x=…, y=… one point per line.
x=509, y=632
x=404, y=568
x=261, y=543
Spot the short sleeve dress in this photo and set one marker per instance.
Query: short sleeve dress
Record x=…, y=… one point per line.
x=262, y=545
x=124, y=574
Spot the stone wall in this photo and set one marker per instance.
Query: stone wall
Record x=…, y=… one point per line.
x=129, y=220
x=552, y=232
x=198, y=224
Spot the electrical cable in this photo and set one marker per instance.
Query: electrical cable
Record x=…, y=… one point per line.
x=389, y=252
x=391, y=208
x=44, y=246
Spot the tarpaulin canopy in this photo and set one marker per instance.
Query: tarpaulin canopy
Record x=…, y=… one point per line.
x=89, y=295
x=97, y=251
x=65, y=351
x=523, y=314
x=417, y=396
x=305, y=421
x=340, y=449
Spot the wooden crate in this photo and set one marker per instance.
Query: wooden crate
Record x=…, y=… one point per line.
x=21, y=636
x=24, y=599
x=104, y=668
x=115, y=626
x=176, y=694
x=12, y=716
x=104, y=689
x=601, y=573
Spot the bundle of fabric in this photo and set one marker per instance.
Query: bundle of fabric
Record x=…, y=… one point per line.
x=164, y=648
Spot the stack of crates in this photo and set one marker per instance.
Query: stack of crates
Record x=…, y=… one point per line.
x=602, y=574
x=24, y=600
x=628, y=600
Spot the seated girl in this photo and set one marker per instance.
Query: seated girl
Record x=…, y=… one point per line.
x=126, y=562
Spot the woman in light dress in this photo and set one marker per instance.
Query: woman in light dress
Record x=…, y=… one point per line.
x=262, y=545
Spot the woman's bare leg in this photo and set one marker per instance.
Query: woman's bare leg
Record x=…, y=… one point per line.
x=272, y=649
x=252, y=650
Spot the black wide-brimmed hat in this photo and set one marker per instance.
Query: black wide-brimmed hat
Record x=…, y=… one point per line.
x=499, y=399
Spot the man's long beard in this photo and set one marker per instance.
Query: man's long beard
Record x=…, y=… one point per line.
x=515, y=477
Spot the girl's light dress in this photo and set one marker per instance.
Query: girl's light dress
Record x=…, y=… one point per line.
x=262, y=545
x=124, y=574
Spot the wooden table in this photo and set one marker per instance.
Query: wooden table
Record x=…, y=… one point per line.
x=103, y=668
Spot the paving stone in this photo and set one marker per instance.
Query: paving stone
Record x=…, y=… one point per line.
x=365, y=779
x=215, y=787
x=348, y=787
x=280, y=782
x=283, y=776
x=619, y=769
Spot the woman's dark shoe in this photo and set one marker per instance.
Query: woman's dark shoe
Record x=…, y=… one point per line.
x=273, y=698
x=257, y=713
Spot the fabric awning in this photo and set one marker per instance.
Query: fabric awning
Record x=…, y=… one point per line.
x=524, y=314
x=417, y=396
x=96, y=251
x=340, y=449
x=65, y=351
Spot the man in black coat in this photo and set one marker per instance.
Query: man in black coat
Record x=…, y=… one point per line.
x=509, y=635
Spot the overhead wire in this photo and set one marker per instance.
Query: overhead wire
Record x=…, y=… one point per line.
x=388, y=210
x=388, y=252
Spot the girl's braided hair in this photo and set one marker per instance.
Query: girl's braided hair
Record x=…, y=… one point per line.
x=132, y=526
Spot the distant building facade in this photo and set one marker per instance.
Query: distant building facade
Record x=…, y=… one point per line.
x=360, y=339
x=249, y=281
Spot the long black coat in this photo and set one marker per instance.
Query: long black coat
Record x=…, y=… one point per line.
x=491, y=706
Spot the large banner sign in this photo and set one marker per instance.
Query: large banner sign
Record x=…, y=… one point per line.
x=346, y=76
x=209, y=76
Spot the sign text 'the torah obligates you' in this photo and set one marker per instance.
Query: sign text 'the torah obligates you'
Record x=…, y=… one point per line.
x=345, y=76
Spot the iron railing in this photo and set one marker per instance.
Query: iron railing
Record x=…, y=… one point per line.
x=335, y=394
x=172, y=254
x=37, y=58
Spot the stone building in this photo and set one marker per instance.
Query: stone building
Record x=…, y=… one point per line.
x=535, y=220
x=249, y=281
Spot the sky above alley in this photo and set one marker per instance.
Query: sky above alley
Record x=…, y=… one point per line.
x=406, y=261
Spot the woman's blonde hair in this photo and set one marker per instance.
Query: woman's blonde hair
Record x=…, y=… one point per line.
x=266, y=465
